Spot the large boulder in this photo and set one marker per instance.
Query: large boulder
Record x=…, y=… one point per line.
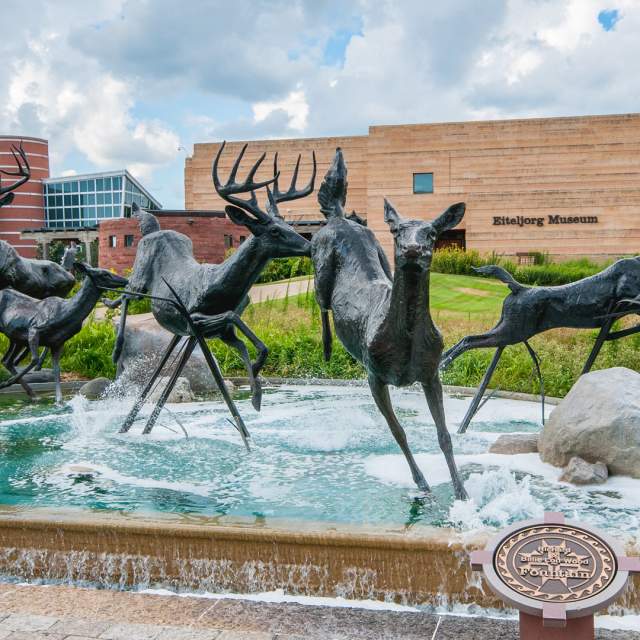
x=145, y=342
x=598, y=420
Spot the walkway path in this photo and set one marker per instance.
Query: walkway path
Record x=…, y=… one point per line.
x=70, y=613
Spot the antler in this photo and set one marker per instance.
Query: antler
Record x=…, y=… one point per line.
x=291, y=193
x=228, y=190
x=23, y=172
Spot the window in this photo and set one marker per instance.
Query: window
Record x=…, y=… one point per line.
x=423, y=183
x=242, y=239
x=113, y=241
x=128, y=241
x=228, y=241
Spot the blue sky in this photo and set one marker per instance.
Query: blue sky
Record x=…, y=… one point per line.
x=135, y=83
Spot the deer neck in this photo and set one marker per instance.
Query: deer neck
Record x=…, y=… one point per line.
x=81, y=305
x=240, y=270
x=409, y=303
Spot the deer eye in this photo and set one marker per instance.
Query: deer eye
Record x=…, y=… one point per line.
x=274, y=232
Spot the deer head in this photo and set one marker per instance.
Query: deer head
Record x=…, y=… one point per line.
x=100, y=277
x=23, y=172
x=414, y=240
x=277, y=238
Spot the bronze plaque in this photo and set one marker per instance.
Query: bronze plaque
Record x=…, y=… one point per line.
x=555, y=563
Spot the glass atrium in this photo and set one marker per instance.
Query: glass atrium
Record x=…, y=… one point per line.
x=83, y=201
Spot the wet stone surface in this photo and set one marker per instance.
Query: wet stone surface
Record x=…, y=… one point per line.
x=68, y=613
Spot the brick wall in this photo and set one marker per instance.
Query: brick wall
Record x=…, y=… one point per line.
x=206, y=233
x=27, y=209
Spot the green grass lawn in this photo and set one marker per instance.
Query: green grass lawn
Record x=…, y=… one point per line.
x=467, y=294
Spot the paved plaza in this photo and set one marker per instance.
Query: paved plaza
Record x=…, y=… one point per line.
x=69, y=613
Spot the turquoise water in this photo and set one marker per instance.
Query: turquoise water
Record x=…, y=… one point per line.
x=319, y=453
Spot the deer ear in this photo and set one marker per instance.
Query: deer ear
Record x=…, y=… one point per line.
x=238, y=216
x=391, y=216
x=449, y=218
x=81, y=267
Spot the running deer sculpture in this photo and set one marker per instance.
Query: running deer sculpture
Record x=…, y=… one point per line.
x=30, y=323
x=382, y=319
x=35, y=278
x=213, y=296
x=527, y=311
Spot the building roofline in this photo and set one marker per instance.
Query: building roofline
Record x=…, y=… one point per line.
x=105, y=174
x=270, y=140
x=507, y=120
x=25, y=138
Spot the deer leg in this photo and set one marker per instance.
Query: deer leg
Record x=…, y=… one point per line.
x=230, y=338
x=215, y=325
x=122, y=325
x=217, y=375
x=36, y=359
x=380, y=393
x=483, y=341
x=536, y=364
x=597, y=345
x=475, y=402
x=433, y=393
x=43, y=357
x=326, y=335
x=55, y=357
x=135, y=410
x=10, y=361
x=191, y=345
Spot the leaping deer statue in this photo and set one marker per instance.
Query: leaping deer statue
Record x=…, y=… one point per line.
x=214, y=295
x=382, y=319
x=35, y=278
x=591, y=303
x=30, y=323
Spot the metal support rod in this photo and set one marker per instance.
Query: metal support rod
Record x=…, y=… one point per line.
x=169, y=386
x=473, y=408
x=536, y=363
x=214, y=368
x=145, y=392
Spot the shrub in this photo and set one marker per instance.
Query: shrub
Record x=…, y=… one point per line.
x=543, y=272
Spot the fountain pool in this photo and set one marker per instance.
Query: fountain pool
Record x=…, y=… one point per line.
x=320, y=454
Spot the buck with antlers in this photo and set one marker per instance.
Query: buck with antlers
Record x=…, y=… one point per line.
x=35, y=278
x=382, y=319
x=528, y=311
x=214, y=295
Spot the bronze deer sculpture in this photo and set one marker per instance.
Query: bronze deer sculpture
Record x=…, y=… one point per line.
x=215, y=295
x=35, y=278
x=382, y=319
x=527, y=311
x=30, y=323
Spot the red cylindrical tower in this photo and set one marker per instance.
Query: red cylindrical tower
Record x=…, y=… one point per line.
x=27, y=209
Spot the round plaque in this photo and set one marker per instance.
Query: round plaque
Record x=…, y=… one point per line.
x=554, y=568
x=555, y=563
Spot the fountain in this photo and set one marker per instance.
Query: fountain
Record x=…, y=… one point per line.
x=325, y=504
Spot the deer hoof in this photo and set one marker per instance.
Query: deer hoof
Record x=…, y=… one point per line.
x=256, y=397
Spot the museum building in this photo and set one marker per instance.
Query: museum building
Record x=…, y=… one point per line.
x=566, y=186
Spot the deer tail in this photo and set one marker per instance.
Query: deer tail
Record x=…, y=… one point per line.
x=494, y=271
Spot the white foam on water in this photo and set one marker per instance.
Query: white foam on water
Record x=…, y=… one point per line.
x=625, y=622
x=102, y=472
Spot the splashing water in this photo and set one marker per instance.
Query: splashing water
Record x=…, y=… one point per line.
x=320, y=453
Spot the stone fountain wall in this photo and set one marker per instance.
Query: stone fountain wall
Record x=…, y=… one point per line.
x=426, y=567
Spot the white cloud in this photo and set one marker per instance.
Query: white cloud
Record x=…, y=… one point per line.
x=294, y=105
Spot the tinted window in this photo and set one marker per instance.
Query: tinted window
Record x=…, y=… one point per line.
x=423, y=183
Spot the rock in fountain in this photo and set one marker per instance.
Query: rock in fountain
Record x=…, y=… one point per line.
x=599, y=421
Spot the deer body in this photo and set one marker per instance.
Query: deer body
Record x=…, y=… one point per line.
x=32, y=323
x=382, y=319
x=527, y=311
